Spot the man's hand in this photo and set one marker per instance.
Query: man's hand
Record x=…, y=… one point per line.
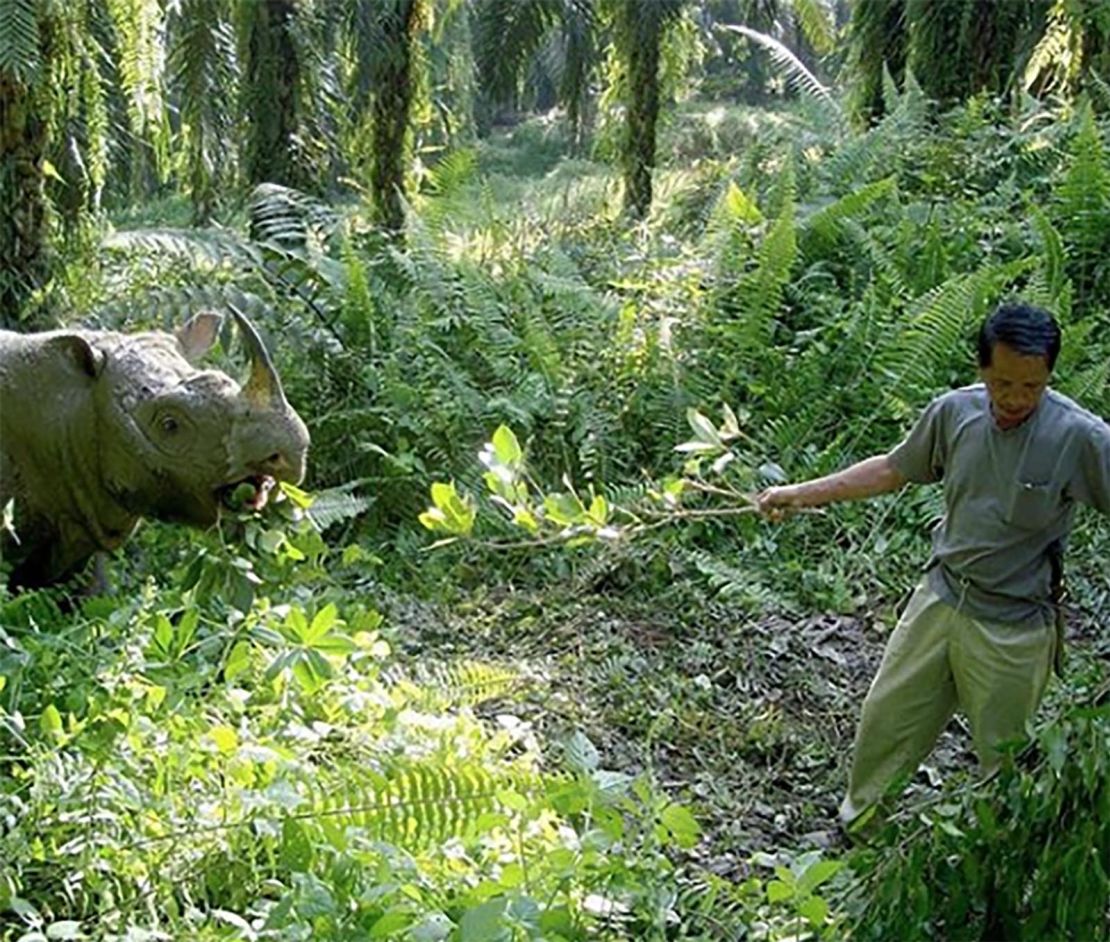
x=776, y=502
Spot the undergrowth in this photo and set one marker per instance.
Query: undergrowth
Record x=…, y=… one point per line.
x=246, y=741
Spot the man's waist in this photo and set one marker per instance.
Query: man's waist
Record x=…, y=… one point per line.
x=991, y=603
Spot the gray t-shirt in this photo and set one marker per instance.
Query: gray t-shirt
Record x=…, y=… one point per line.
x=1009, y=495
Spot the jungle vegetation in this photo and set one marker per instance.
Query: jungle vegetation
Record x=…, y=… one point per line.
x=556, y=285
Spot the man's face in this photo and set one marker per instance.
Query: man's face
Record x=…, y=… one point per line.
x=1015, y=383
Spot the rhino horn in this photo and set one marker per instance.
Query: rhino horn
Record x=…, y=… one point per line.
x=263, y=387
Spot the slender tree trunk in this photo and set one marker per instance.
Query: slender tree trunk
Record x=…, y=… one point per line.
x=273, y=80
x=25, y=254
x=397, y=22
x=640, y=32
x=879, y=38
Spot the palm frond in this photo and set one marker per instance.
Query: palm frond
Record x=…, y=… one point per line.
x=506, y=36
x=796, y=72
x=20, y=56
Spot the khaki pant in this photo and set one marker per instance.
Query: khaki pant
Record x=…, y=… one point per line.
x=939, y=658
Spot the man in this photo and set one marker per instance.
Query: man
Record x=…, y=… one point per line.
x=1015, y=457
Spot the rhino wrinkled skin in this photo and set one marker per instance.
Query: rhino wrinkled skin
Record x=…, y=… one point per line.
x=98, y=429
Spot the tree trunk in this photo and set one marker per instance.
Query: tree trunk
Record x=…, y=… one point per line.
x=397, y=22
x=273, y=79
x=879, y=38
x=640, y=31
x=25, y=256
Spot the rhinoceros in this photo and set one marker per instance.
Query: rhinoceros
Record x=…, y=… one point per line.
x=99, y=429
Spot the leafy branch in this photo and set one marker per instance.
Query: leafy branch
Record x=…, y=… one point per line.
x=572, y=518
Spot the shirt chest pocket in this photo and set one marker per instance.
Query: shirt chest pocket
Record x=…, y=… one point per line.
x=1034, y=506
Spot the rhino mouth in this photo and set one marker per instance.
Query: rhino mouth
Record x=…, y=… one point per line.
x=249, y=493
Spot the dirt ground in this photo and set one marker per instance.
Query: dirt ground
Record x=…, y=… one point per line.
x=749, y=720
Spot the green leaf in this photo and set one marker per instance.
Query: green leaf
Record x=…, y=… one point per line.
x=483, y=923
x=336, y=643
x=389, y=924
x=599, y=510
x=322, y=623
x=434, y=927
x=51, y=721
x=581, y=754
x=163, y=633
x=451, y=513
x=815, y=909
x=681, y=824
x=49, y=170
x=238, y=660
x=525, y=518
x=270, y=541
x=225, y=739
x=817, y=873
x=777, y=891
x=506, y=447
x=295, y=625
x=704, y=430
x=296, y=848
x=65, y=929
x=563, y=509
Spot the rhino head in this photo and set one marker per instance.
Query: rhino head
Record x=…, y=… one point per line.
x=101, y=428
x=175, y=440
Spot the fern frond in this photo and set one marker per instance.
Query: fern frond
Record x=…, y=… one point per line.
x=817, y=20
x=336, y=505
x=461, y=684
x=287, y=217
x=730, y=582
x=939, y=324
x=756, y=299
x=1052, y=257
x=1083, y=209
x=420, y=806
x=453, y=172
x=207, y=247
x=1091, y=385
x=827, y=222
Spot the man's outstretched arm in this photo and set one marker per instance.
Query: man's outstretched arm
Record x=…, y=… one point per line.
x=867, y=478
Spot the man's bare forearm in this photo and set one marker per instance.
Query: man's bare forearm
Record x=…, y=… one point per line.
x=867, y=478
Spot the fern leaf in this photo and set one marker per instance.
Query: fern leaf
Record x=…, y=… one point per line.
x=420, y=806
x=827, y=222
x=211, y=247
x=461, y=684
x=334, y=506
x=940, y=323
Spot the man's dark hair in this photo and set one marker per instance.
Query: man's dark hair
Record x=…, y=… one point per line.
x=1027, y=329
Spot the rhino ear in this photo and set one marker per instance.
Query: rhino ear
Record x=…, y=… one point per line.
x=87, y=358
x=196, y=337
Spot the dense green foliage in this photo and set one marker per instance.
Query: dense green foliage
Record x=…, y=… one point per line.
x=613, y=706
